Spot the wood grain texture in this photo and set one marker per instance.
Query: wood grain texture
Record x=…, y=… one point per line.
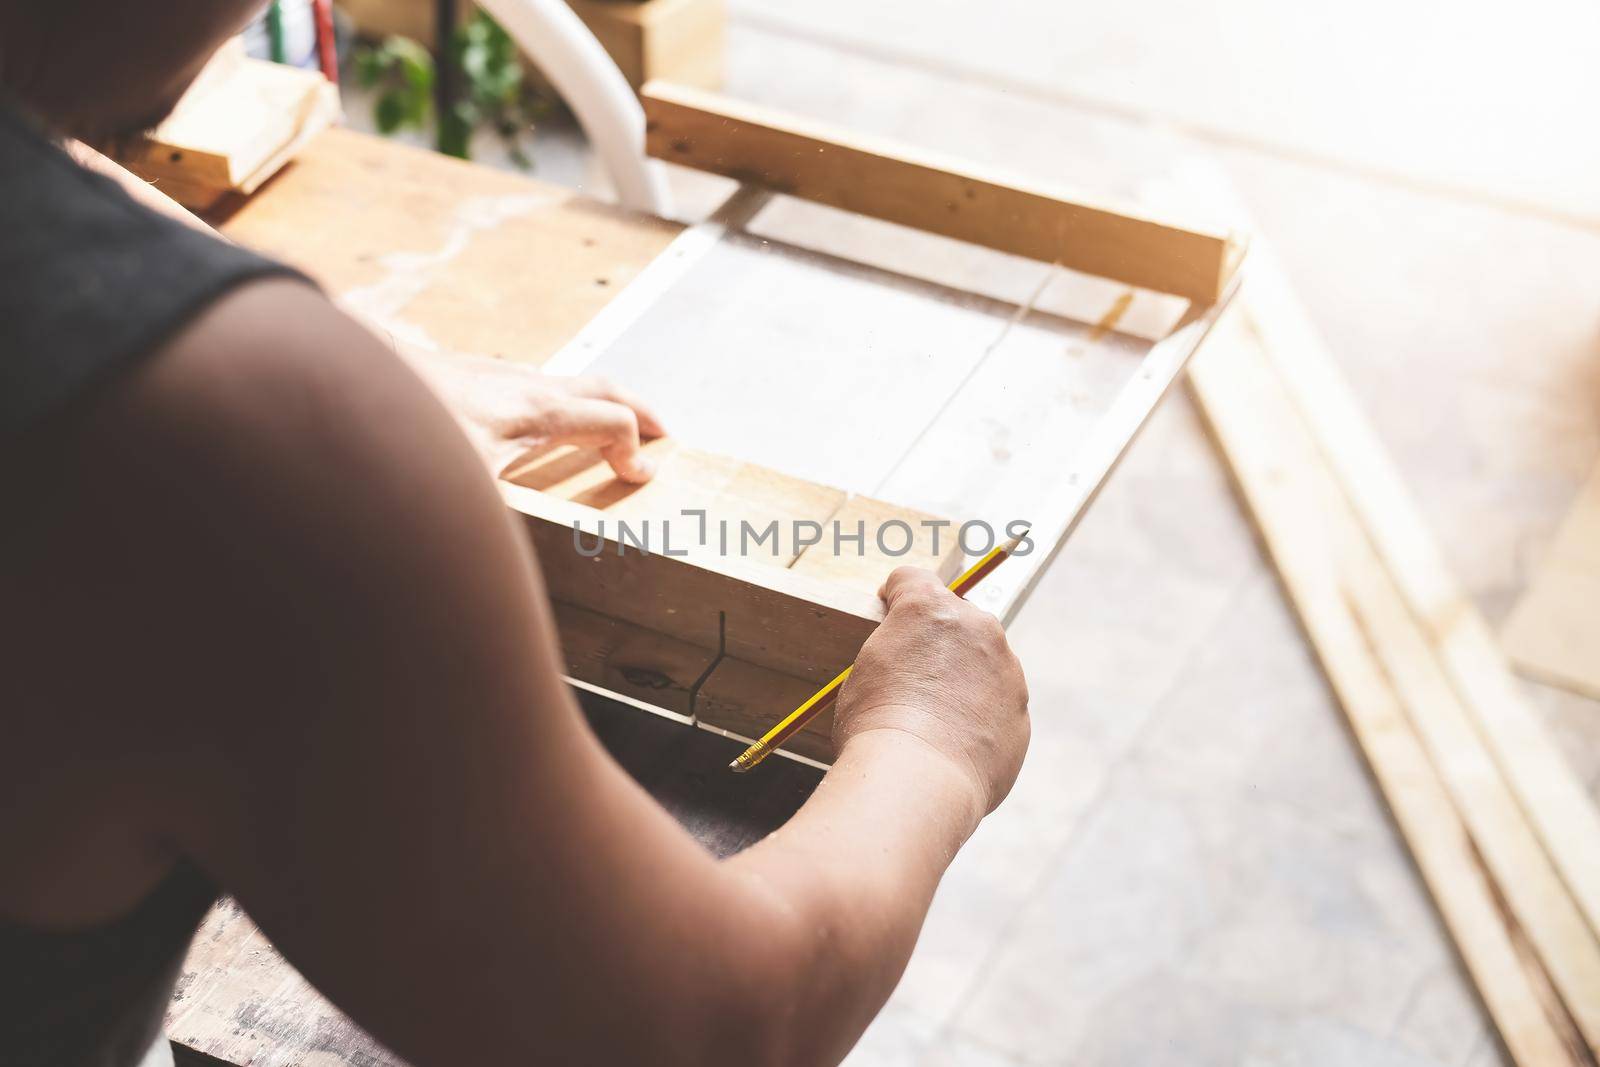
x=1558, y=806
x=1554, y=631
x=813, y=161
x=240, y=1001
x=677, y=39
x=657, y=654
x=775, y=618
x=448, y=256
x=688, y=480
x=1506, y=843
x=661, y=671
x=1314, y=541
x=650, y=625
x=929, y=541
x=240, y=122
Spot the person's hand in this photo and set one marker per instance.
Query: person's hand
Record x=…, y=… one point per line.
x=940, y=669
x=508, y=409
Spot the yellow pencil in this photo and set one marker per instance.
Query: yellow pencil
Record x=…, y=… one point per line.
x=797, y=719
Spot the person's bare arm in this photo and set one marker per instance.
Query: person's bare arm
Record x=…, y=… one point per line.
x=372, y=747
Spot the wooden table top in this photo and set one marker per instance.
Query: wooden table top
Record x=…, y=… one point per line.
x=442, y=252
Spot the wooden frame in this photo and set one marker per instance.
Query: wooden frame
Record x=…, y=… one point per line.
x=726, y=645
x=919, y=189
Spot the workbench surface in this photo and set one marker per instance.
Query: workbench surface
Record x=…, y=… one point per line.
x=444, y=254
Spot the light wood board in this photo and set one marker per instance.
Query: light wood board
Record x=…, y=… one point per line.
x=815, y=161
x=1324, y=563
x=1554, y=631
x=443, y=254
x=1558, y=806
x=237, y=126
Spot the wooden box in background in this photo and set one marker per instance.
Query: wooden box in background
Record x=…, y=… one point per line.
x=674, y=40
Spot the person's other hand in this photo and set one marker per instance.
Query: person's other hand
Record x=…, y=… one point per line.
x=508, y=409
x=940, y=669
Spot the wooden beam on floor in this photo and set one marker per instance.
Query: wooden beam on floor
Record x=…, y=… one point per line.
x=1315, y=543
x=875, y=177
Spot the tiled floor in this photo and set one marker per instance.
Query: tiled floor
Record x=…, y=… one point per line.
x=1194, y=868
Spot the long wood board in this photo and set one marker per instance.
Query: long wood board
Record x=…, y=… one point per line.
x=920, y=189
x=1317, y=546
x=1558, y=807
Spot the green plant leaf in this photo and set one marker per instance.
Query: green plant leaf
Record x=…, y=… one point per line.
x=391, y=111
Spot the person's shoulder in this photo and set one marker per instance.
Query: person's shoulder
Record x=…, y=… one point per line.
x=272, y=389
x=275, y=473
x=275, y=421
x=271, y=356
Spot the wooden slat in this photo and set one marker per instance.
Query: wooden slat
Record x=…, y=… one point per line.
x=1561, y=811
x=1554, y=631
x=661, y=671
x=1298, y=507
x=919, y=189
x=687, y=479
x=786, y=622
x=931, y=546
x=1509, y=848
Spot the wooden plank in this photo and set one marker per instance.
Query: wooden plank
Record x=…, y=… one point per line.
x=1554, y=631
x=930, y=541
x=1509, y=848
x=235, y=128
x=1292, y=495
x=687, y=481
x=777, y=619
x=451, y=256
x=868, y=176
x=661, y=671
x=1558, y=806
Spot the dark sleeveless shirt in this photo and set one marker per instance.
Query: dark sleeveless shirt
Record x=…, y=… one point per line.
x=91, y=281
x=89, y=278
